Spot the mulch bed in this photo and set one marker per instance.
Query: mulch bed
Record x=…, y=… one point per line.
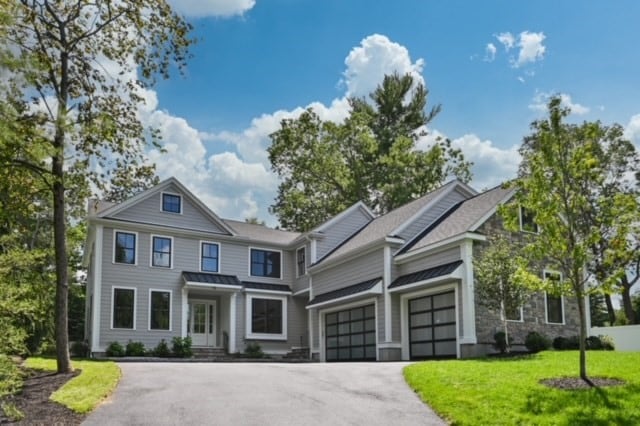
x=574, y=383
x=34, y=401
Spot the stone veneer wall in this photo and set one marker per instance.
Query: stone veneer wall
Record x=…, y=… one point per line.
x=488, y=322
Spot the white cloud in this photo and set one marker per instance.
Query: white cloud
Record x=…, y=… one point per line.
x=490, y=52
x=221, y=8
x=541, y=99
x=632, y=130
x=531, y=48
x=376, y=56
x=507, y=40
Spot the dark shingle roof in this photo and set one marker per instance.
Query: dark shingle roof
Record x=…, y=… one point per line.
x=209, y=278
x=266, y=286
x=426, y=274
x=346, y=291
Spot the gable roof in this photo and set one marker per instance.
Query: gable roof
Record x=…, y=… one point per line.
x=115, y=209
x=466, y=216
x=383, y=226
x=359, y=205
x=261, y=233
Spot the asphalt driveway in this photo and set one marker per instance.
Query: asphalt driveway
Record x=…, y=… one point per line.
x=263, y=394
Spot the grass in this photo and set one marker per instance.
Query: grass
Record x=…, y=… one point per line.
x=506, y=391
x=84, y=392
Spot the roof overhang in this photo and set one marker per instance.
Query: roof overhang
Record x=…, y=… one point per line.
x=455, y=275
x=376, y=289
x=443, y=244
x=194, y=285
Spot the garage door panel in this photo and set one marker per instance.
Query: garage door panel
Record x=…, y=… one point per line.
x=350, y=334
x=432, y=326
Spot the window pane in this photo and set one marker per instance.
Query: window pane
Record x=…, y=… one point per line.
x=209, y=257
x=123, y=303
x=301, y=261
x=554, y=309
x=171, y=203
x=266, y=316
x=443, y=300
x=125, y=248
x=161, y=252
x=160, y=310
x=420, y=304
x=265, y=263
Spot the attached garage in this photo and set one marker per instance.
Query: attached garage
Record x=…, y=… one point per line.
x=432, y=326
x=351, y=334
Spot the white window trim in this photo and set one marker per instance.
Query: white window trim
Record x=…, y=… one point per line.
x=219, y=256
x=298, y=274
x=248, y=320
x=135, y=254
x=522, y=228
x=546, y=313
x=135, y=305
x=266, y=249
x=151, y=237
x=159, y=290
x=175, y=195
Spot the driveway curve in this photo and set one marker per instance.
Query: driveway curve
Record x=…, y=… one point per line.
x=263, y=394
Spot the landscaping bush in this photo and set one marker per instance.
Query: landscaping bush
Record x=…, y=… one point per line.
x=536, y=342
x=600, y=343
x=135, y=349
x=162, y=349
x=501, y=342
x=253, y=350
x=559, y=343
x=79, y=349
x=115, y=349
x=182, y=347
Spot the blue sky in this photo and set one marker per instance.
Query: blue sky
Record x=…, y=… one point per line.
x=490, y=65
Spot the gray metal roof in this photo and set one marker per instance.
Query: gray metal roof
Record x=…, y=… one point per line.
x=461, y=218
x=345, y=291
x=261, y=233
x=266, y=286
x=210, y=278
x=382, y=226
x=426, y=274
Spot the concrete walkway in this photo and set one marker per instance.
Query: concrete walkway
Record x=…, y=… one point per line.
x=263, y=394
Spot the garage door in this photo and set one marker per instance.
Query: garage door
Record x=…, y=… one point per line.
x=432, y=326
x=351, y=334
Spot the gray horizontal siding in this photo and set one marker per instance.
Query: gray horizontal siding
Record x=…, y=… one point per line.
x=428, y=217
x=360, y=269
x=340, y=231
x=149, y=211
x=439, y=258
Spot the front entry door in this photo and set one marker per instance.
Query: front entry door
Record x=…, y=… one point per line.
x=202, y=323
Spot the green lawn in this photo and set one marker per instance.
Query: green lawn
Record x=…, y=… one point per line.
x=84, y=392
x=492, y=391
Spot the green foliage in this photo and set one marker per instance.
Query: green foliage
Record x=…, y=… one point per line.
x=162, y=349
x=76, y=311
x=536, y=342
x=598, y=310
x=135, y=349
x=621, y=318
x=326, y=167
x=12, y=412
x=253, y=350
x=635, y=300
x=79, y=349
x=181, y=347
x=507, y=391
x=600, y=343
x=500, y=341
x=562, y=343
x=115, y=349
x=10, y=376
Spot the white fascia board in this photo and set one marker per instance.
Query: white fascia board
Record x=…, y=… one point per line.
x=455, y=275
x=493, y=210
x=300, y=292
x=376, y=289
x=259, y=290
x=453, y=241
x=225, y=287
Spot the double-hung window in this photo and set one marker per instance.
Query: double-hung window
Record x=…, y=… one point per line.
x=124, y=308
x=209, y=258
x=125, y=248
x=301, y=261
x=554, y=306
x=159, y=310
x=161, y=251
x=265, y=263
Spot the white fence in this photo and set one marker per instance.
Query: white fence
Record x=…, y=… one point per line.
x=626, y=338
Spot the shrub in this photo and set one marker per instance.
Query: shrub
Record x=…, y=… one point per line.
x=536, y=342
x=162, y=349
x=135, y=349
x=79, y=349
x=253, y=350
x=602, y=343
x=559, y=343
x=182, y=347
x=501, y=342
x=115, y=349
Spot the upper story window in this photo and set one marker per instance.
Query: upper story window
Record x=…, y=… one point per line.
x=209, y=257
x=161, y=251
x=554, y=305
x=171, y=203
x=527, y=221
x=125, y=247
x=265, y=263
x=301, y=261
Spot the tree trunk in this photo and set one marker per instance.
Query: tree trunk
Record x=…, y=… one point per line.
x=626, y=300
x=62, y=282
x=610, y=310
x=583, y=334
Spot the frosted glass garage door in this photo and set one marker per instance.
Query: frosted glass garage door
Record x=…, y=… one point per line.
x=432, y=326
x=351, y=334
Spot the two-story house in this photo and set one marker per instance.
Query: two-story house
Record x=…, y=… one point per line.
x=357, y=287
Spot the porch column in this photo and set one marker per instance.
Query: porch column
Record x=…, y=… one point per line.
x=468, y=296
x=185, y=312
x=232, y=322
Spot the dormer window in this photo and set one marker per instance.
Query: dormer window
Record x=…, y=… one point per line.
x=171, y=203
